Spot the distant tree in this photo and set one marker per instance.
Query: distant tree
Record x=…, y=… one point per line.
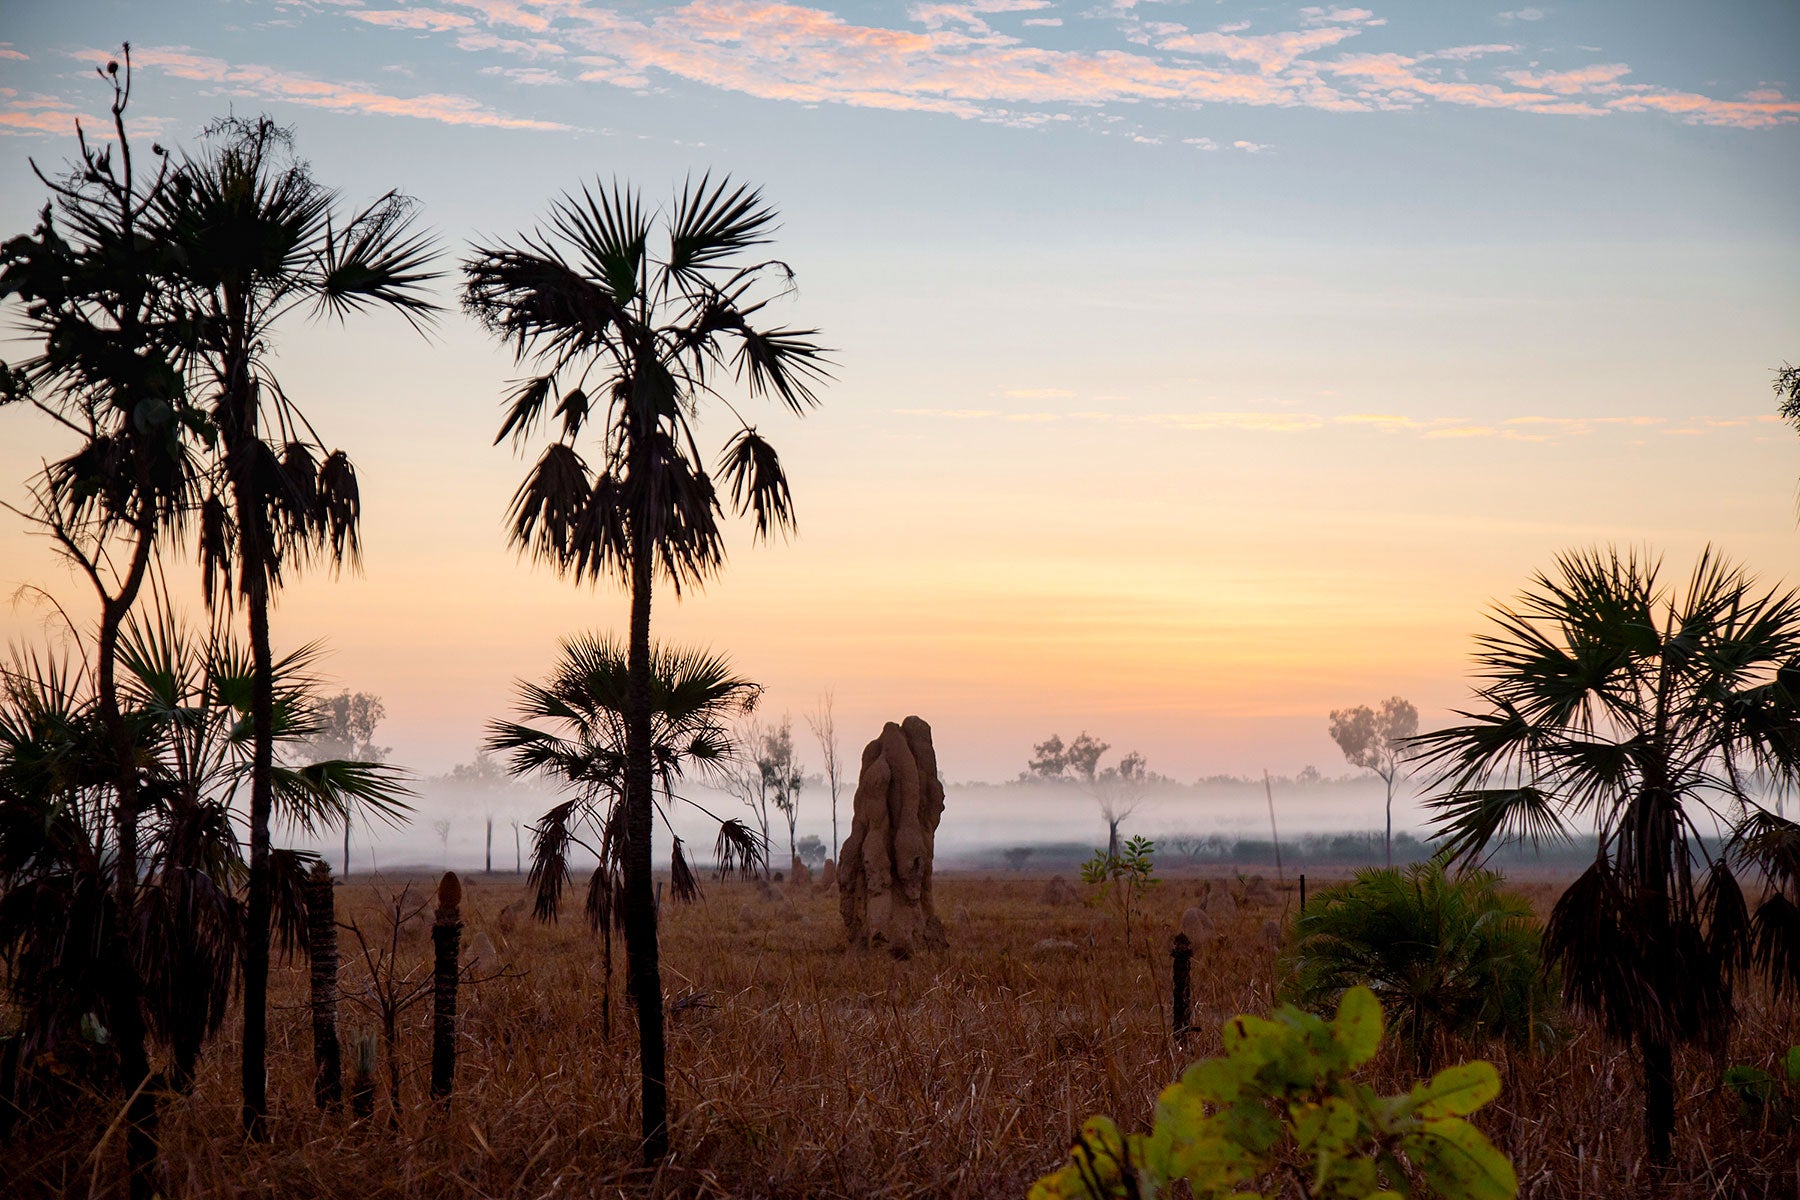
x=631, y=317
x=442, y=829
x=1611, y=699
x=1309, y=776
x=1375, y=740
x=347, y=723
x=812, y=849
x=823, y=723
x=783, y=775
x=742, y=778
x=1017, y=857
x=1118, y=789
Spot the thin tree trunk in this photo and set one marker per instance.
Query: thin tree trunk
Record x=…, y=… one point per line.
x=127, y=1015
x=346, y=845
x=322, y=949
x=255, y=1108
x=1659, y=1099
x=645, y=976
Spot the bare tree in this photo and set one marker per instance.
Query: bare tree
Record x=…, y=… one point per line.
x=823, y=723
x=443, y=831
x=1372, y=740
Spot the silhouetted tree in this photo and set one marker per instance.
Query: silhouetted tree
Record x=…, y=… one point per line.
x=1375, y=741
x=93, y=279
x=259, y=238
x=1612, y=698
x=625, y=342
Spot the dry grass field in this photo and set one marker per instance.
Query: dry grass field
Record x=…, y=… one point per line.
x=800, y=1071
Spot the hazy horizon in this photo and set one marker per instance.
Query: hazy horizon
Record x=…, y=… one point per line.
x=1200, y=369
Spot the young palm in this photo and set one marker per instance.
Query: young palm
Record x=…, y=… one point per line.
x=572, y=733
x=625, y=341
x=260, y=239
x=1612, y=702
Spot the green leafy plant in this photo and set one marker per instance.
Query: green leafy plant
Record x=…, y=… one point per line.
x=1448, y=955
x=1122, y=880
x=1766, y=1097
x=1280, y=1115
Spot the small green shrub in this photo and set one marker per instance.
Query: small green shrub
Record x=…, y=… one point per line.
x=1123, y=880
x=1279, y=1115
x=1768, y=1099
x=1448, y=956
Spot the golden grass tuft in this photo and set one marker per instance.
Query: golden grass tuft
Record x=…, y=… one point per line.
x=797, y=1070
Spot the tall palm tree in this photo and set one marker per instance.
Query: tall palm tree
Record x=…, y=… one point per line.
x=94, y=280
x=573, y=733
x=260, y=238
x=626, y=341
x=1613, y=702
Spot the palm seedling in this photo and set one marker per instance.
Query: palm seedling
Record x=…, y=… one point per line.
x=625, y=340
x=1614, y=703
x=572, y=732
x=1449, y=956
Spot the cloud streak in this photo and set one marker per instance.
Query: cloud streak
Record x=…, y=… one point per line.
x=273, y=83
x=973, y=60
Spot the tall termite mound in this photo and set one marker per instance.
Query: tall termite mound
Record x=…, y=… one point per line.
x=884, y=870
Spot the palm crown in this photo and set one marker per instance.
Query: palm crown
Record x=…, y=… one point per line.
x=631, y=340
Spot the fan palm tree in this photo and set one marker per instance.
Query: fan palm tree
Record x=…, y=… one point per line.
x=1611, y=701
x=624, y=341
x=572, y=733
x=260, y=238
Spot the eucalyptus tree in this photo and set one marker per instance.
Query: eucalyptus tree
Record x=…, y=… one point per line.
x=1375, y=740
x=625, y=341
x=260, y=240
x=1655, y=716
x=93, y=282
x=572, y=734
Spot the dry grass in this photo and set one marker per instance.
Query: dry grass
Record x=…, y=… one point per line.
x=800, y=1071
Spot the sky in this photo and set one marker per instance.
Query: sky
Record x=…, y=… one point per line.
x=1199, y=368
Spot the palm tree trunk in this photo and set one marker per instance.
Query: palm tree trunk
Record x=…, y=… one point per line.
x=262, y=793
x=1659, y=1099
x=643, y=970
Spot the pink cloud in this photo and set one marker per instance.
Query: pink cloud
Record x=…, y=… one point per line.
x=7, y=52
x=275, y=84
x=1600, y=77
x=949, y=60
x=414, y=18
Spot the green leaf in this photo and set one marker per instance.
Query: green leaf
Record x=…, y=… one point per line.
x=1358, y=1025
x=1457, y=1091
x=1793, y=1065
x=1459, y=1163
